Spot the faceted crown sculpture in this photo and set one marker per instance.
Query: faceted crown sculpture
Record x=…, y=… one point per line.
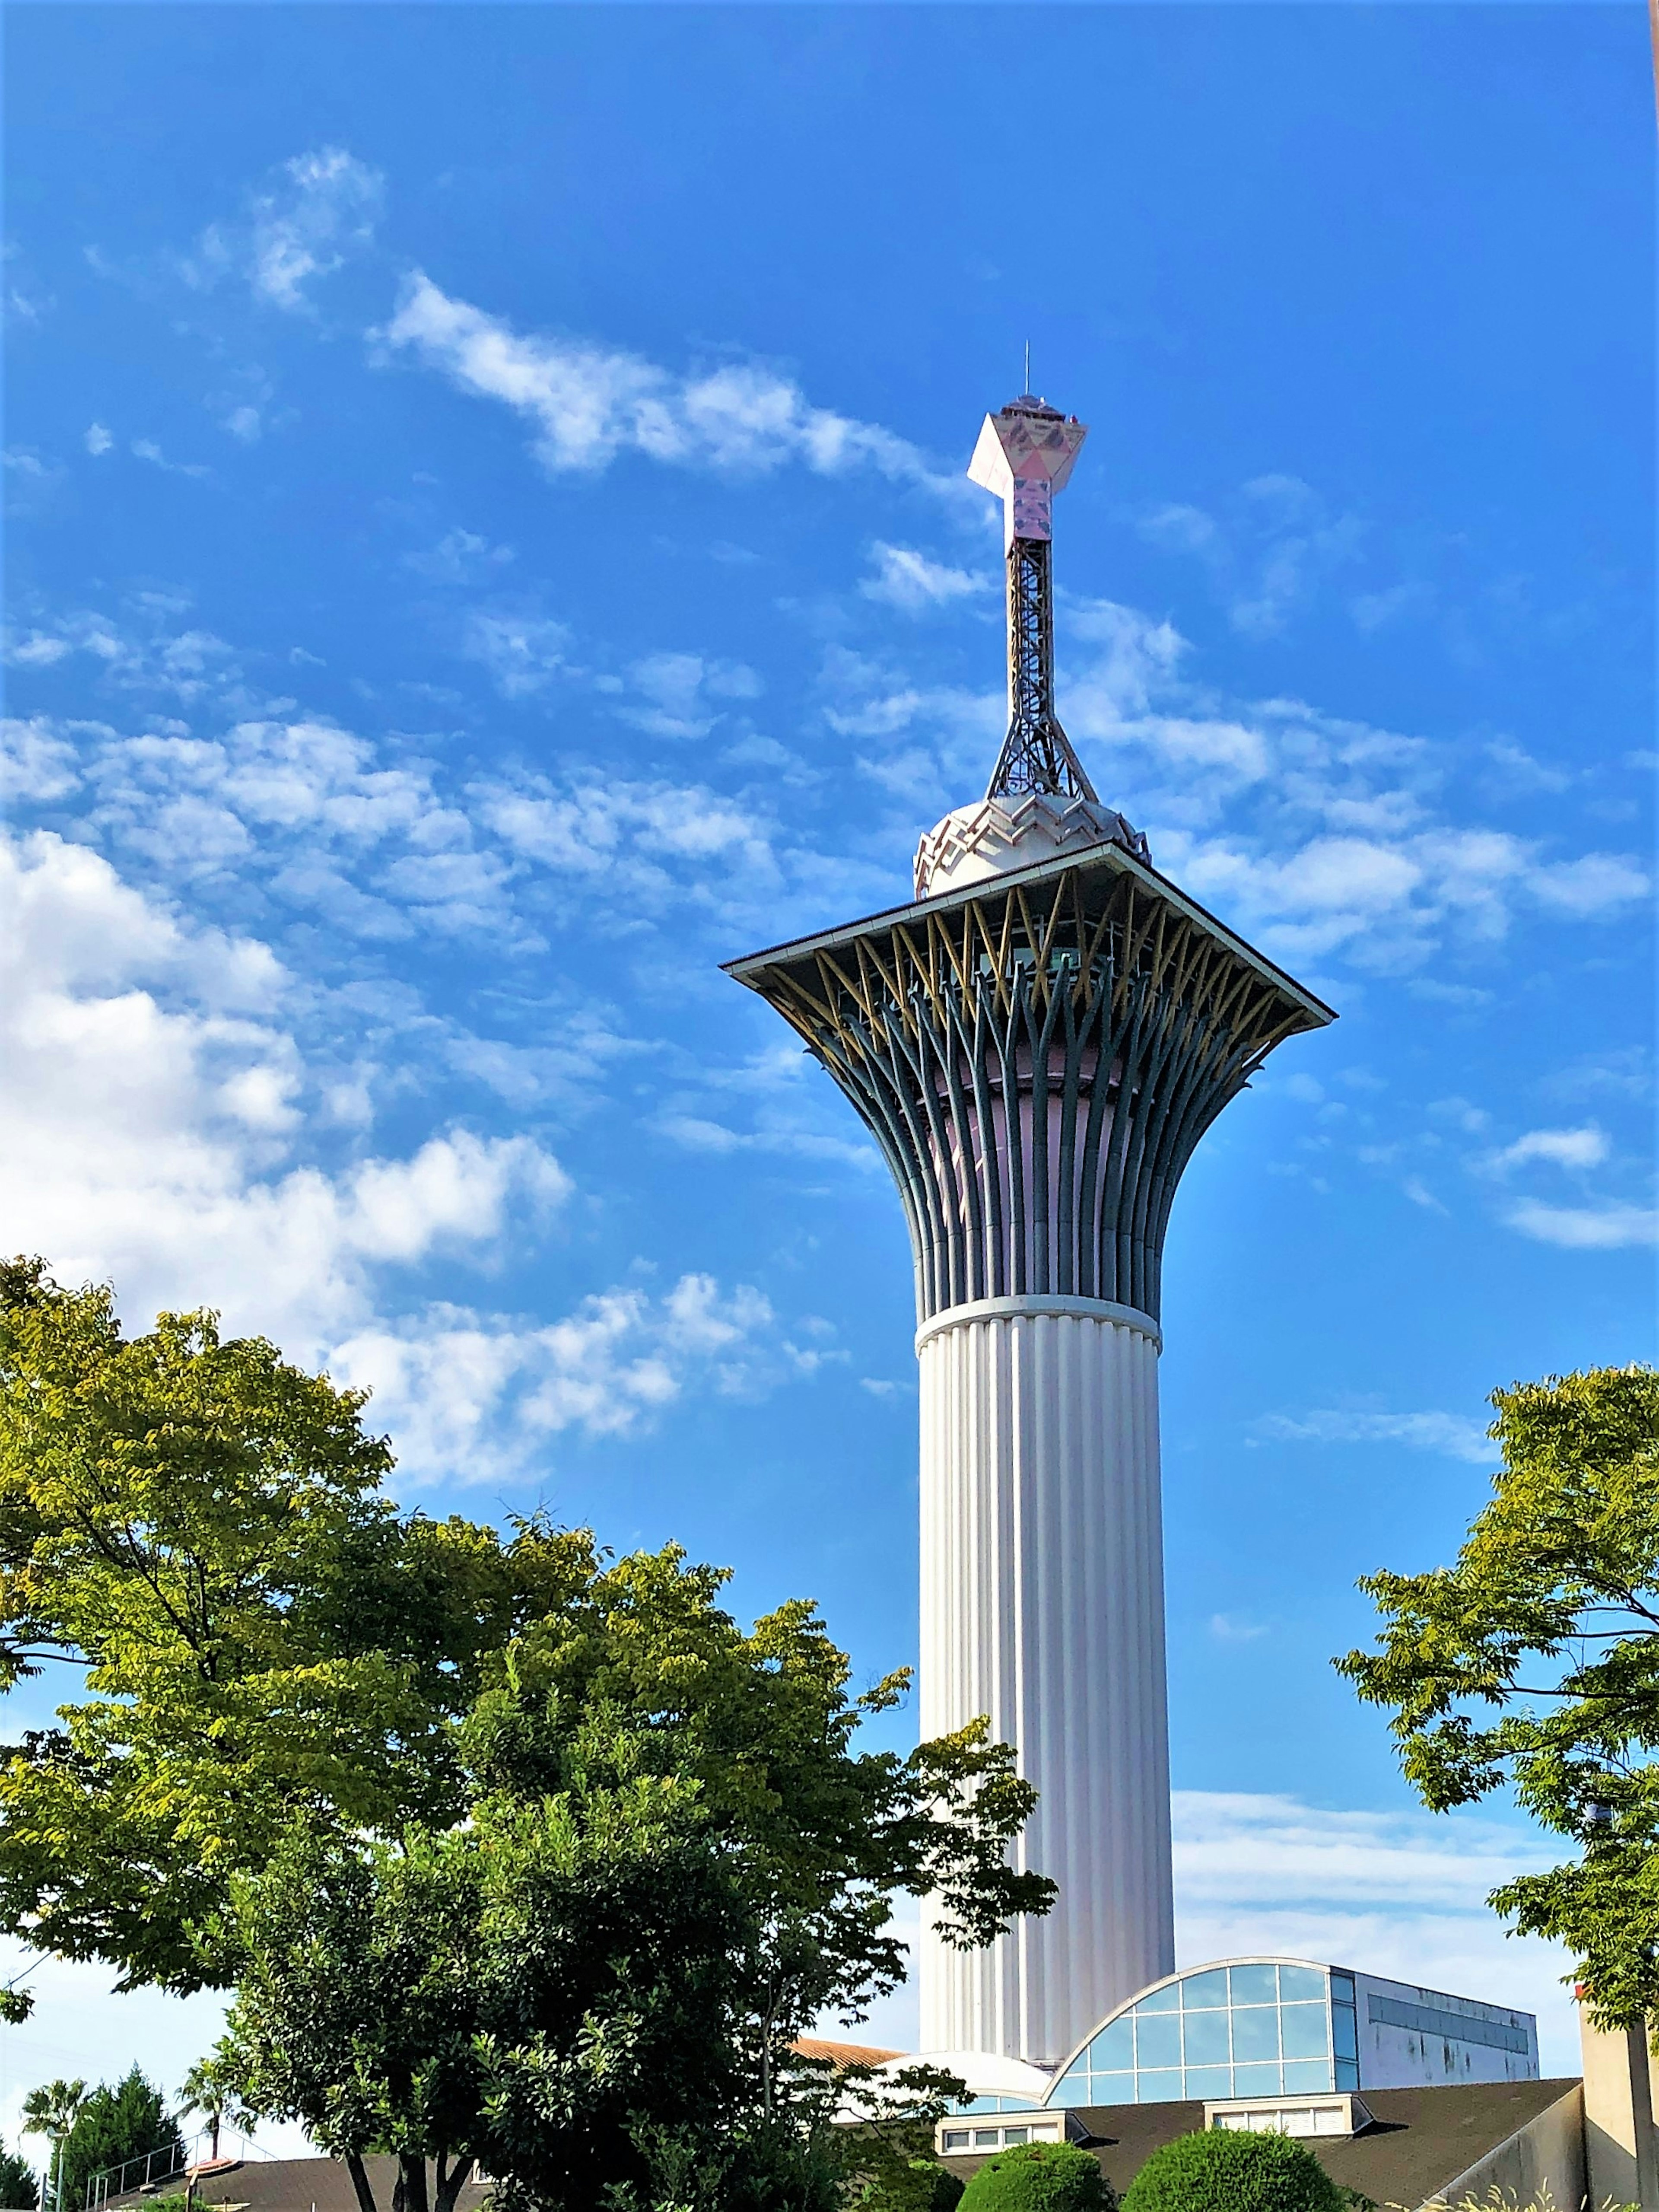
x=1024, y=455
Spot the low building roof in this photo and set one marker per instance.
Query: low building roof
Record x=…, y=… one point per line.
x=840, y=2055
x=1421, y=2139
x=294, y=2184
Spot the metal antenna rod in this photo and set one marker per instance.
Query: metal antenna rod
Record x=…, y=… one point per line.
x=1026, y=387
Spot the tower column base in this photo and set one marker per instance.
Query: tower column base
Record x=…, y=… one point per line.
x=1042, y=1607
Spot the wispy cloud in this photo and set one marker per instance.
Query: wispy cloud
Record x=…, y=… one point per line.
x=1585, y=1228
x=1399, y=1893
x=1278, y=545
x=589, y=403
x=696, y=1134
x=1456, y=1435
x=476, y=1396
x=1565, y=1148
x=910, y=581
x=318, y=209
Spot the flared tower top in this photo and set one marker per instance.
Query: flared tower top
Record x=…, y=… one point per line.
x=1040, y=801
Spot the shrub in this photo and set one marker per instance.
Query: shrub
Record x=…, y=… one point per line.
x=1039, y=2178
x=1220, y=2171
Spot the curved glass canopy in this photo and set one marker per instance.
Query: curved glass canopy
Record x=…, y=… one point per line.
x=1252, y=2027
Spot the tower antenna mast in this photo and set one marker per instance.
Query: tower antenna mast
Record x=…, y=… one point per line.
x=1024, y=455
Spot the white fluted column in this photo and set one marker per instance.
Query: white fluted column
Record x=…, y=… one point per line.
x=1042, y=1604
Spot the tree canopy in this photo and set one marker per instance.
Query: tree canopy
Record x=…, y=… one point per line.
x=1534, y=1662
x=118, y=2121
x=673, y=1860
x=196, y=1531
x=511, y=1852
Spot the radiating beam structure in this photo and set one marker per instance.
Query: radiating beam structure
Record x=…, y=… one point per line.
x=1036, y=1044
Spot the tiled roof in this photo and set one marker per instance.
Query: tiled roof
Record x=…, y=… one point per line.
x=1422, y=2140
x=843, y=2054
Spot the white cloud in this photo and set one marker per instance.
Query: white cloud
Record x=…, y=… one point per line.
x=37, y=762
x=1455, y=1434
x=909, y=580
x=320, y=208
x=1596, y=883
x=1585, y=1228
x=1235, y=1628
x=694, y=1134
x=640, y=836
x=589, y=403
x=81, y=2026
x=1566, y=1148
x=679, y=690
x=523, y=652
x=146, y=449
x=1267, y=561
x=97, y=439
x=460, y=556
x=148, y=1124
x=1401, y=1894
x=476, y=1396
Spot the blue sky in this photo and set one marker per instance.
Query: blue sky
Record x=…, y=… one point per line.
x=488, y=542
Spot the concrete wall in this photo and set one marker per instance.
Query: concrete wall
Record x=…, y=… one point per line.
x=1542, y=2164
x=1620, y=2147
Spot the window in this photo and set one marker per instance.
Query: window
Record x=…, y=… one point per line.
x=1325, y=2116
x=1259, y=2028
x=967, y=2143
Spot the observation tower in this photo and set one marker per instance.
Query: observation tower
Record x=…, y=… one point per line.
x=1036, y=1043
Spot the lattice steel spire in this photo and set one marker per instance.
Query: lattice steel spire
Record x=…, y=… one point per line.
x=1024, y=455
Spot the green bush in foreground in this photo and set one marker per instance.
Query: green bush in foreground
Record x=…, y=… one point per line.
x=1039, y=2178
x=1223, y=2172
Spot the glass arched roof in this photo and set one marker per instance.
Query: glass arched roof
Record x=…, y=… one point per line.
x=1242, y=2027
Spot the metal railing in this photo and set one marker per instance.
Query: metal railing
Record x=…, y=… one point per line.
x=148, y=2171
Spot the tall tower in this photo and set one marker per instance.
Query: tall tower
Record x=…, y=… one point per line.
x=1036, y=1044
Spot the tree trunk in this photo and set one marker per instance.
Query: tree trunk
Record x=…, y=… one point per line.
x=359, y=2172
x=451, y=2184
x=412, y=2182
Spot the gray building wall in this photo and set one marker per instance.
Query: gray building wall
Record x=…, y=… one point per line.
x=1412, y=2037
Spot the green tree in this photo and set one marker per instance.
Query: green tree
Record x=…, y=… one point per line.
x=198, y=1531
x=674, y=1858
x=1040, y=2178
x=1534, y=1662
x=19, y=2191
x=127, y=2120
x=762, y=1721
x=50, y=2110
x=322, y=1748
x=1223, y=2171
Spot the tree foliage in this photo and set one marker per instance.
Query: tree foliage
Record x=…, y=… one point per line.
x=510, y=1851
x=196, y=1529
x=1219, y=2170
x=19, y=2191
x=673, y=1859
x=127, y=2119
x=1533, y=1661
x=1040, y=2178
